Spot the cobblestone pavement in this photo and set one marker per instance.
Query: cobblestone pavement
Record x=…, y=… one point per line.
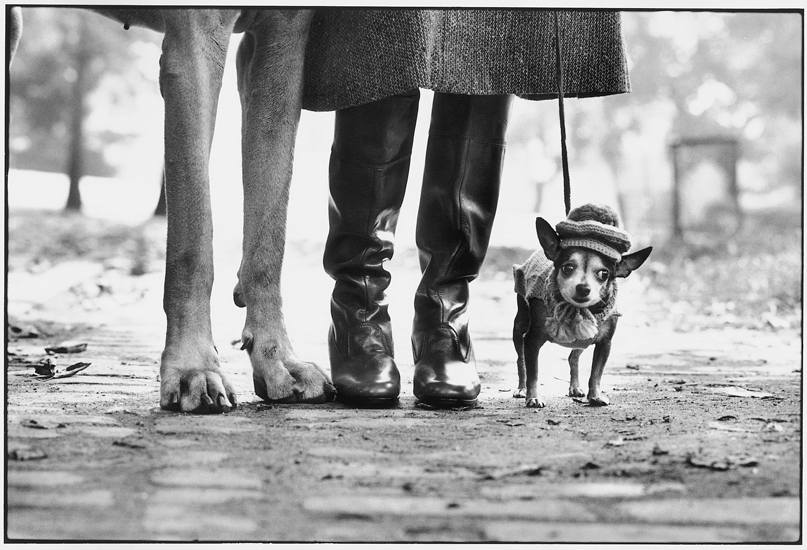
x=701, y=444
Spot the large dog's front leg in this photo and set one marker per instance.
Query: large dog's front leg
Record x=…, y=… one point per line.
x=191, y=68
x=270, y=69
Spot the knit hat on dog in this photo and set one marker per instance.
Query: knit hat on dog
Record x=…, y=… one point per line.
x=604, y=238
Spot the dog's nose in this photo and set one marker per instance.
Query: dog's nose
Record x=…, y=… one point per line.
x=583, y=290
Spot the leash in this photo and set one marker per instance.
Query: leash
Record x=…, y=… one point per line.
x=567, y=185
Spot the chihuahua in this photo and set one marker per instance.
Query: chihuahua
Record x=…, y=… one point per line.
x=566, y=295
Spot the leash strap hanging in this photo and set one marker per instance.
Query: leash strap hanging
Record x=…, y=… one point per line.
x=567, y=186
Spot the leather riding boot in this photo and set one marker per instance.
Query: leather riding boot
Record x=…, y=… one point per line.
x=458, y=202
x=369, y=167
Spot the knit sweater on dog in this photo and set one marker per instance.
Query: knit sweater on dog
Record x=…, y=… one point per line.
x=569, y=326
x=355, y=56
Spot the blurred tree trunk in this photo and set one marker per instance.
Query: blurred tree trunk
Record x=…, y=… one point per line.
x=160, y=210
x=76, y=153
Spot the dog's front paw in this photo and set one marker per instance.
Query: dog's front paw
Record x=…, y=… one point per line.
x=536, y=402
x=195, y=386
x=312, y=385
x=520, y=392
x=278, y=377
x=575, y=391
x=597, y=399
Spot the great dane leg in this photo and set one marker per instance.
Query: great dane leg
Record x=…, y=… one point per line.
x=270, y=69
x=191, y=67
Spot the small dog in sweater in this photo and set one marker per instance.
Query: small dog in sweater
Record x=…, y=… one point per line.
x=566, y=295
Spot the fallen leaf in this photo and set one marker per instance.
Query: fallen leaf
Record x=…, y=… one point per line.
x=658, y=451
x=46, y=367
x=767, y=420
x=618, y=442
x=40, y=425
x=67, y=347
x=524, y=470
x=553, y=422
x=17, y=332
x=635, y=438
x=719, y=426
x=734, y=391
x=717, y=465
x=26, y=453
x=721, y=465
x=131, y=443
x=51, y=372
x=727, y=417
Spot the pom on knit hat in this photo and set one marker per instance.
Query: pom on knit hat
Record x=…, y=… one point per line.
x=594, y=227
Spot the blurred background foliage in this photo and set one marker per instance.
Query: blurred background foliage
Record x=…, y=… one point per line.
x=84, y=101
x=75, y=84
x=77, y=77
x=704, y=75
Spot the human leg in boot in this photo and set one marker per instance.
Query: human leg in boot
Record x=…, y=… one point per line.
x=458, y=202
x=368, y=171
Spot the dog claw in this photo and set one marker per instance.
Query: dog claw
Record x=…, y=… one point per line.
x=247, y=344
x=598, y=401
x=536, y=403
x=206, y=405
x=521, y=392
x=172, y=403
x=223, y=404
x=576, y=392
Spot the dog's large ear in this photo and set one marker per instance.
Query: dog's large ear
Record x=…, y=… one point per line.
x=632, y=262
x=549, y=240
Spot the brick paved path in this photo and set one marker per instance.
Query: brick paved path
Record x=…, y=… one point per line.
x=674, y=458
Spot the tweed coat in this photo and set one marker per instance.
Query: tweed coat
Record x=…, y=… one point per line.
x=355, y=56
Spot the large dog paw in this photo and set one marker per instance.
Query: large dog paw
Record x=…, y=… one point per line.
x=597, y=399
x=536, y=402
x=520, y=392
x=196, y=386
x=278, y=377
x=575, y=391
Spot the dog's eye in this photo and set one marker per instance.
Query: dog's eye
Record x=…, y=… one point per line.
x=567, y=269
x=603, y=274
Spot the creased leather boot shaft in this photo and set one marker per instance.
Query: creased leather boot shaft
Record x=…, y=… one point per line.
x=457, y=206
x=368, y=172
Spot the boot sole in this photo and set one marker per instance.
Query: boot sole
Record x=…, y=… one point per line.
x=448, y=403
